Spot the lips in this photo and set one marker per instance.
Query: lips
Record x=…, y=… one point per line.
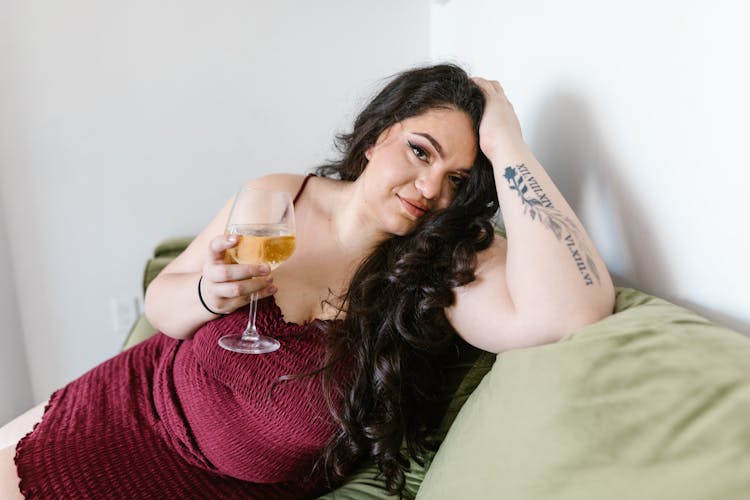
x=413, y=207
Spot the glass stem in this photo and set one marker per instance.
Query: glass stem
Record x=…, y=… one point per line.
x=250, y=333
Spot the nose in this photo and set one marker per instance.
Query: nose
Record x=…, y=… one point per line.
x=429, y=184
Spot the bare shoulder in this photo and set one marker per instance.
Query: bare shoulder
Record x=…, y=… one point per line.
x=492, y=255
x=485, y=314
x=487, y=295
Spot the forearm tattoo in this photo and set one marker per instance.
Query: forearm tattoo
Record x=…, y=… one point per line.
x=536, y=203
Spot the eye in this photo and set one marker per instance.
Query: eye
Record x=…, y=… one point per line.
x=456, y=180
x=419, y=152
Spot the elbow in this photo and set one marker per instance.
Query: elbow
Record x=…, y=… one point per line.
x=162, y=315
x=149, y=309
x=591, y=311
x=575, y=316
x=533, y=329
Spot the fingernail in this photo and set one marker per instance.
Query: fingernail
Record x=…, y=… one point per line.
x=232, y=238
x=263, y=269
x=272, y=289
x=269, y=279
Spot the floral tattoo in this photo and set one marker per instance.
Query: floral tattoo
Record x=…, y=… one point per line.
x=539, y=207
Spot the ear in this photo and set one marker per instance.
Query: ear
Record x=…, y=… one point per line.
x=368, y=153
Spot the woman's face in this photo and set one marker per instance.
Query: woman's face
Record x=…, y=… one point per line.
x=417, y=165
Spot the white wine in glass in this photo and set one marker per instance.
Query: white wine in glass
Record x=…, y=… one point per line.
x=271, y=244
x=264, y=224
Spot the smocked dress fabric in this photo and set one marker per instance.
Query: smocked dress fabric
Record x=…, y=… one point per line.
x=187, y=419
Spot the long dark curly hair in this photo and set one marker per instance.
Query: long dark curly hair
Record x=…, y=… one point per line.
x=394, y=332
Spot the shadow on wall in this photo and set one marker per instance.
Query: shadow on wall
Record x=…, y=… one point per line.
x=566, y=139
x=15, y=383
x=567, y=142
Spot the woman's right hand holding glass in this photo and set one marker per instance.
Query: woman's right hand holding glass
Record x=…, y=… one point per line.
x=226, y=286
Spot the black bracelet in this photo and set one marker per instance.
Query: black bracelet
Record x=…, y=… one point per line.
x=200, y=296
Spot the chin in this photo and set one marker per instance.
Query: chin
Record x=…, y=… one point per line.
x=405, y=227
x=398, y=226
x=394, y=222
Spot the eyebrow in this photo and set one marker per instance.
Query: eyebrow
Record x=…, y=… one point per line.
x=435, y=144
x=439, y=149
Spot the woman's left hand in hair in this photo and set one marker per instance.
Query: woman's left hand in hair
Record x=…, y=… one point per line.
x=499, y=128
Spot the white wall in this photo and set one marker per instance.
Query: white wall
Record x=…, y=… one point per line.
x=15, y=379
x=639, y=110
x=124, y=123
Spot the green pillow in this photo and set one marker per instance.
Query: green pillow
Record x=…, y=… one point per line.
x=652, y=402
x=164, y=253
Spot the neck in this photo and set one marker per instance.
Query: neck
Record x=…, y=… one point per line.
x=351, y=222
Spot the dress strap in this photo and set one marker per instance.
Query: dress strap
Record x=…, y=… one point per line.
x=302, y=188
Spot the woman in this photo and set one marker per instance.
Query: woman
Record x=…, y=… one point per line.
x=395, y=250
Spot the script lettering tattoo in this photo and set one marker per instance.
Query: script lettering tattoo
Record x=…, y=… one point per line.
x=536, y=203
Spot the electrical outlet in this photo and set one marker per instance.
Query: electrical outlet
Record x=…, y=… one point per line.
x=124, y=313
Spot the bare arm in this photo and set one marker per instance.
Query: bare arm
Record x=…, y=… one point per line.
x=172, y=304
x=548, y=278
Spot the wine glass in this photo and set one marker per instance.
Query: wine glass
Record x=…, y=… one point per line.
x=264, y=224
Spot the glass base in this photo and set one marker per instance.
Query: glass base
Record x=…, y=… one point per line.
x=261, y=345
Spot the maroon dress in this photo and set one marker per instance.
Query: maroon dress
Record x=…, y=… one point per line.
x=187, y=419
